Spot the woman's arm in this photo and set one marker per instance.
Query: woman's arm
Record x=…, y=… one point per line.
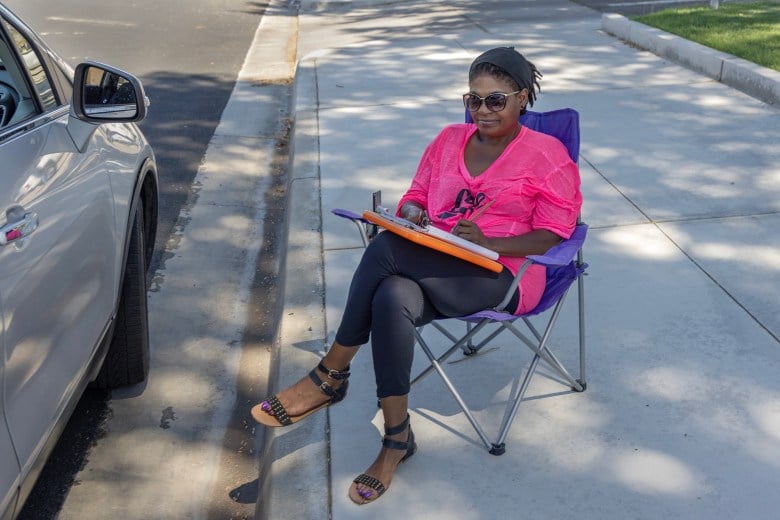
x=413, y=212
x=536, y=242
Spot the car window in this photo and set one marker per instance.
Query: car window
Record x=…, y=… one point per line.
x=15, y=100
x=37, y=72
x=18, y=78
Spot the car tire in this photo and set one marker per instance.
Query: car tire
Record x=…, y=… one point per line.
x=127, y=360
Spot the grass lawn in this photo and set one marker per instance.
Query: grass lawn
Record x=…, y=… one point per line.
x=748, y=30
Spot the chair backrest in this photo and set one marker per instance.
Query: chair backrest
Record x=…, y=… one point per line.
x=563, y=124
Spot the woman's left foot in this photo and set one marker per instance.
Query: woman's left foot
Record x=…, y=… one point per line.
x=303, y=398
x=397, y=446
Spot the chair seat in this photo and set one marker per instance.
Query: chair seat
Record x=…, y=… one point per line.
x=490, y=315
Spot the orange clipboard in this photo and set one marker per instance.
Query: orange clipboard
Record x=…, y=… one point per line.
x=434, y=243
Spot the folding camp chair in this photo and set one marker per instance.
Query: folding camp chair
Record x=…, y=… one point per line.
x=564, y=264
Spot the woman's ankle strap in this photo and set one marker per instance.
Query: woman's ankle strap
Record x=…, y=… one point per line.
x=335, y=375
x=395, y=430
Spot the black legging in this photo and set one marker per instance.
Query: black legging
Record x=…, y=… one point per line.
x=400, y=285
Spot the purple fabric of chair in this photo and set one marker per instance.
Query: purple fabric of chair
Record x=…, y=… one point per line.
x=351, y=215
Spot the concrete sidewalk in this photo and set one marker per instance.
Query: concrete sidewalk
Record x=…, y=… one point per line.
x=681, y=180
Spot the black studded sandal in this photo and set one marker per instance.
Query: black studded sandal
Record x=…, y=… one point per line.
x=271, y=412
x=376, y=488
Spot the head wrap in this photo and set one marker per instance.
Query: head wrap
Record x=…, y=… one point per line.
x=515, y=65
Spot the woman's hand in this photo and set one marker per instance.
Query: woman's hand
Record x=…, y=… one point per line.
x=414, y=213
x=468, y=230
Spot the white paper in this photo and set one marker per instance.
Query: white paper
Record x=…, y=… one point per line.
x=439, y=233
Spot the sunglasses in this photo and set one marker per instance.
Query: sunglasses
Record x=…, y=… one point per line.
x=495, y=102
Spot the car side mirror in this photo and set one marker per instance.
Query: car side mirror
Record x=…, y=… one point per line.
x=102, y=94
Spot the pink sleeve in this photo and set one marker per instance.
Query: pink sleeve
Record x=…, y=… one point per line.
x=558, y=200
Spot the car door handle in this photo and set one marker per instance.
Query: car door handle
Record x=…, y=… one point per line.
x=20, y=224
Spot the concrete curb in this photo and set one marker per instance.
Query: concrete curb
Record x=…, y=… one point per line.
x=759, y=82
x=294, y=475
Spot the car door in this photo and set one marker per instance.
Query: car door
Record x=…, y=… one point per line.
x=9, y=467
x=59, y=260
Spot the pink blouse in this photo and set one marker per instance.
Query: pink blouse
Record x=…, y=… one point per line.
x=534, y=183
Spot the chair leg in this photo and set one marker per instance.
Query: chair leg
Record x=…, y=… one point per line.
x=541, y=347
x=581, y=310
x=448, y=383
x=458, y=345
x=468, y=348
x=517, y=400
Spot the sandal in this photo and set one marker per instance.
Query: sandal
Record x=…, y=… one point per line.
x=271, y=412
x=374, y=483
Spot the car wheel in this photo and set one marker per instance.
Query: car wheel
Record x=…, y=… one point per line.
x=127, y=360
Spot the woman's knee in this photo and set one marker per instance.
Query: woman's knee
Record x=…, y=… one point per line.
x=399, y=295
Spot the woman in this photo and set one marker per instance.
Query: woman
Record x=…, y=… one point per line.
x=526, y=190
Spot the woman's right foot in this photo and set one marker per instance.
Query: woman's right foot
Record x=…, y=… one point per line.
x=321, y=388
x=398, y=446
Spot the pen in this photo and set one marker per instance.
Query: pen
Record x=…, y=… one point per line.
x=480, y=211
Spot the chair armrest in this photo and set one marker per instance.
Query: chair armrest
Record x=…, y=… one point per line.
x=351, y=215
x=559, y=255
x=563, y=253
x=367, y=229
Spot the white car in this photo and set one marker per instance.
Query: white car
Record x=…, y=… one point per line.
x=78, y=218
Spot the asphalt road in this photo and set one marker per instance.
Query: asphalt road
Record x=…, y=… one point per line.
x=187, y=54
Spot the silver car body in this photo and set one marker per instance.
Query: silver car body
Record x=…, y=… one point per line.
x=75, y=184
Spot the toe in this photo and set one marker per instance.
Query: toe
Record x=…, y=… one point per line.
x=356, y=494
x=362, y=494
